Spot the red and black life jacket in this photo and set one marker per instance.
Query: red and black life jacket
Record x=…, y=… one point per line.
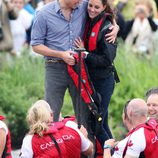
x=58, y=142
x=88, y=93
x=91, y=36
x=7, y=149
x=89, y=96
x=151, y=136
x=93, y=33
x=94, y=29
x=99, y=150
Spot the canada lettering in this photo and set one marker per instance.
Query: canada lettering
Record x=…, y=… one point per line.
x=59, y=141
x=154, y=140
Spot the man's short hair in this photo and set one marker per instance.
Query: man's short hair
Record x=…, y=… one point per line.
x=136, y=107
x=151, y=92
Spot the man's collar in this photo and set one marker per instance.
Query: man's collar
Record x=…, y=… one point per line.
x=57, y=7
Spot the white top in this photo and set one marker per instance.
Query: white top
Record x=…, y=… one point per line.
x=3, y=125
x=137, y=144
x=0, y=5
x=27, y=152
x=142, y=30
x=18, y=29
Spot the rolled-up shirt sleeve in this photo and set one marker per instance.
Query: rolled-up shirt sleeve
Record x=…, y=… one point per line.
x=38, y=33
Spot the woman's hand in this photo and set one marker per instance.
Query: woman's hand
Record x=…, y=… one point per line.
x=78, y=43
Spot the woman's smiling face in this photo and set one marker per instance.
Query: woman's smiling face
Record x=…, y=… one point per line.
x=95, y=7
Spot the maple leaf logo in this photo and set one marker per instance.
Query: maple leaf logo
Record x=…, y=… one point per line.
x=116, y=148
x=130, y=143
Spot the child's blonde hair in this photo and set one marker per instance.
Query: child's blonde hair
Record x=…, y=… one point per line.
x=38, y=117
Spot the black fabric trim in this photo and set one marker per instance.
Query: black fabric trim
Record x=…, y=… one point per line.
x=56, y=145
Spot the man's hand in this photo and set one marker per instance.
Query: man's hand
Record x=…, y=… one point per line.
x=67, y=56
x=110, y=142
x=111, y=37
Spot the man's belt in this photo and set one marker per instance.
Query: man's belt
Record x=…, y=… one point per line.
x=54, y=61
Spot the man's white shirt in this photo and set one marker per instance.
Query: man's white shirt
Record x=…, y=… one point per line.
x=136, y=144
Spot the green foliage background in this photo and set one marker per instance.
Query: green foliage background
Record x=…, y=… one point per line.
x=22, y=83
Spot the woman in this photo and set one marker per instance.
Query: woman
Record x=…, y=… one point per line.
x=140, y=30
x=101, y=54
x=19, y=27
x=57, y=140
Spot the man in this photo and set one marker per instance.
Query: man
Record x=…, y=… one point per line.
x=152, y=103
x=140, y=141
x=55, y=27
